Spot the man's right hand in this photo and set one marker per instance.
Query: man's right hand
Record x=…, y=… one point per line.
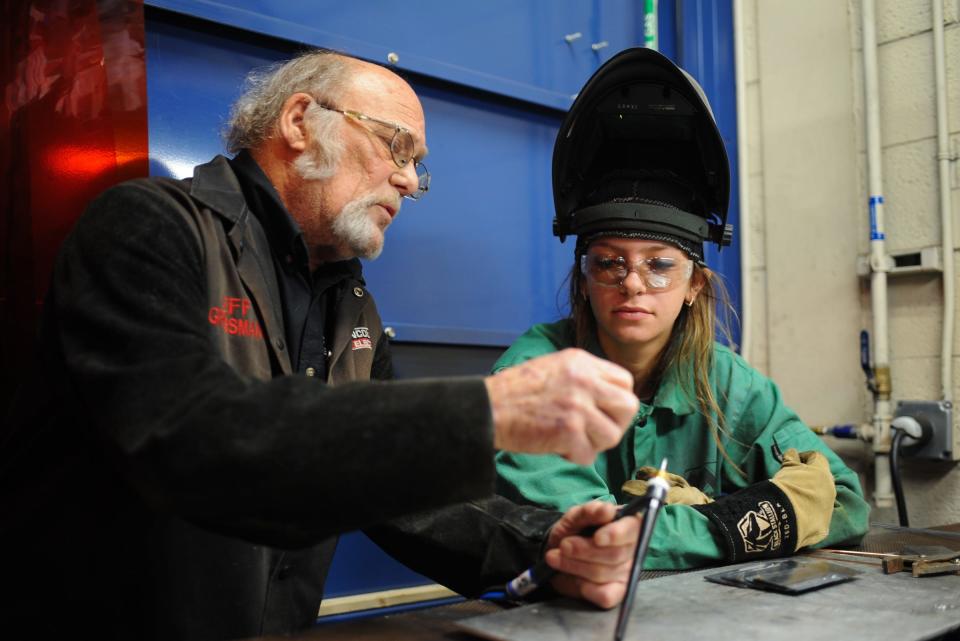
x=568, y=403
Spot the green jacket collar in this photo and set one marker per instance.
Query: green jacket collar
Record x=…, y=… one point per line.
x=670, y=395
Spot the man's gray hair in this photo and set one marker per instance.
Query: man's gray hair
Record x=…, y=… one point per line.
x=321, y=73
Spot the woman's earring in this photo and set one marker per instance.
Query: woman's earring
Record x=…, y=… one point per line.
x=689, y=303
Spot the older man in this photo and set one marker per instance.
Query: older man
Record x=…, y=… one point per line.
x=202, y=423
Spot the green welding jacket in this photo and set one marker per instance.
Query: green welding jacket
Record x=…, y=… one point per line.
x=758, y=428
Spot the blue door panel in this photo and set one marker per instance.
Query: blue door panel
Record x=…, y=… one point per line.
x=516, y=49
x=360, y=566
x=193, y=77
x=705, y=49
x=474, y=262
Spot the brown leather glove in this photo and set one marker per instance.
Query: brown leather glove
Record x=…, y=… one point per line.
x=680, y=492
x=806, y=479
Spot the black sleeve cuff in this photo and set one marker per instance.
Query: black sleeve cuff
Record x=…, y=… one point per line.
x=470, y=546
x=757, y=522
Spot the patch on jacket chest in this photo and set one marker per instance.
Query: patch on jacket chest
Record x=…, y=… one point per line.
x=360, y=338
x=232, y=318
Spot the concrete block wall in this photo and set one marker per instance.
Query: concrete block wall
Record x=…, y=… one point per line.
x=807, y=190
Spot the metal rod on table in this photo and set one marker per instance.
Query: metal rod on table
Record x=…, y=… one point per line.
x=855, y=552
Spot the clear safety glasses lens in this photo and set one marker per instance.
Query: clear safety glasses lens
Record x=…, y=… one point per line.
x=658, y=273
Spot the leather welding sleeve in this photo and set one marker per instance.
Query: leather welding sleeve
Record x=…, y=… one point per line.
x=774, y=501
x=469, y=547
x=777, y=517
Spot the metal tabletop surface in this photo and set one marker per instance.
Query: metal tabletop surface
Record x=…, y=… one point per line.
x=874, y=606
x=682, y=605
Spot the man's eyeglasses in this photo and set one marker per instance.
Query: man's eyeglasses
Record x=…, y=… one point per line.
x=401, y=148
x=661, y=273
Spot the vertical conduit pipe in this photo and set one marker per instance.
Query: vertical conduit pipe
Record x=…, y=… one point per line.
x=879, y=265
x=650, y=25
x=743, y=179
x=944, y=158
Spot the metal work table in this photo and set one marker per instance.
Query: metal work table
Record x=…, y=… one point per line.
x=874, y=606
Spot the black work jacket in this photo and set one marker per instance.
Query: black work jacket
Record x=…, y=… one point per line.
x=166, y=476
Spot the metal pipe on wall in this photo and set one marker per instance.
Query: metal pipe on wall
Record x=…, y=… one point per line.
x=879, y=265
x=944, y=158
x=746, y=289
x=650, y=25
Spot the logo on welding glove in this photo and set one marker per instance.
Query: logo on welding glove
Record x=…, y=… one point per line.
x=760, y=528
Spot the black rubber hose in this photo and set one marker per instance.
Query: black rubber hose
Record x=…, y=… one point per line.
x=895, y=477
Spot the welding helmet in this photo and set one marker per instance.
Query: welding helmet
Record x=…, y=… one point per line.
x=639, y=155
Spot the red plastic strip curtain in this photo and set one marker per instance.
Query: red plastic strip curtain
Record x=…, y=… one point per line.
x=73, y=121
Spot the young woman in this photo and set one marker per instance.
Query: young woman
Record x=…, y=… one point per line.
x=648, y=306
x=750, y=479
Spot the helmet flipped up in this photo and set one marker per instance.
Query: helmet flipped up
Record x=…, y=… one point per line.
x=639, y=153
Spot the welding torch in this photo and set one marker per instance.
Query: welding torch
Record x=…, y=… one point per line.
x=649, y=504
x=656, y=495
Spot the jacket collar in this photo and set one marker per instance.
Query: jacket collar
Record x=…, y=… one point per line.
x=670, y=394
x=216, y=186
x=264, y=202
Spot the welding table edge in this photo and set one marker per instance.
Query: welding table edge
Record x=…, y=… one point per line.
x=439, y=623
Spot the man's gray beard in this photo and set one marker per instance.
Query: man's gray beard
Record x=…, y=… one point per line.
x=354, y=227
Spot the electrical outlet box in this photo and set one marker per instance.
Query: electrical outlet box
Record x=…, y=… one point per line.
x=939, y=415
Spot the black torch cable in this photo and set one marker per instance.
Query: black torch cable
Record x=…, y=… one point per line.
x=895, y=477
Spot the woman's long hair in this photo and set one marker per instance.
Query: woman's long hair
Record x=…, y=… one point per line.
x=690, y=349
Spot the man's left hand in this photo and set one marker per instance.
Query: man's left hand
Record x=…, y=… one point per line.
x=592, y=568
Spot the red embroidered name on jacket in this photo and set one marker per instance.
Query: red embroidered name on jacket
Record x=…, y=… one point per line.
x=232, y=318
